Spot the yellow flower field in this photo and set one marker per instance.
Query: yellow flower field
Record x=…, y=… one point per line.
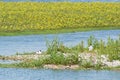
x=21, y=16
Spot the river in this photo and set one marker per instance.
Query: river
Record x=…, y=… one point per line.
x=42, y=74
x=9, y=45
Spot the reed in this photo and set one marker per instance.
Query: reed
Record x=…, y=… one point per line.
x=52, y=46
x=111, y=48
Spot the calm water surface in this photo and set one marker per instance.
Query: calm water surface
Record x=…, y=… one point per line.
x=8, y=61
x=9, y=45
x=42, y=74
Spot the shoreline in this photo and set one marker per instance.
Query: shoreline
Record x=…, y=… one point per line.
x=113, y=65
x=54, y=31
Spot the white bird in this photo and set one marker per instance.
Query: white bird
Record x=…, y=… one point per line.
x=38, y=52
x=90, y=48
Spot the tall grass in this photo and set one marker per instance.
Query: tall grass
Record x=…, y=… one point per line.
x=60, y=54
x=111, y=48
x=61, y=59
x=52, y=46
x=31, y=64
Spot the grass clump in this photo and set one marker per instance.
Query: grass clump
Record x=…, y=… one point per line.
x=30, y=64
x=57, y=52
x=61, y=59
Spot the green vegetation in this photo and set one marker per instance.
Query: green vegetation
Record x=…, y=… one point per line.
x=31, y=64
x=7, y=65
x=18, y=18
x=59, y=54
x=3, y=33
x=111, y=48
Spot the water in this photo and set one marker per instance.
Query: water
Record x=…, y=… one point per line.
x=42, y=74
x=8, y=61
x=9, y=45
x=60, y=0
